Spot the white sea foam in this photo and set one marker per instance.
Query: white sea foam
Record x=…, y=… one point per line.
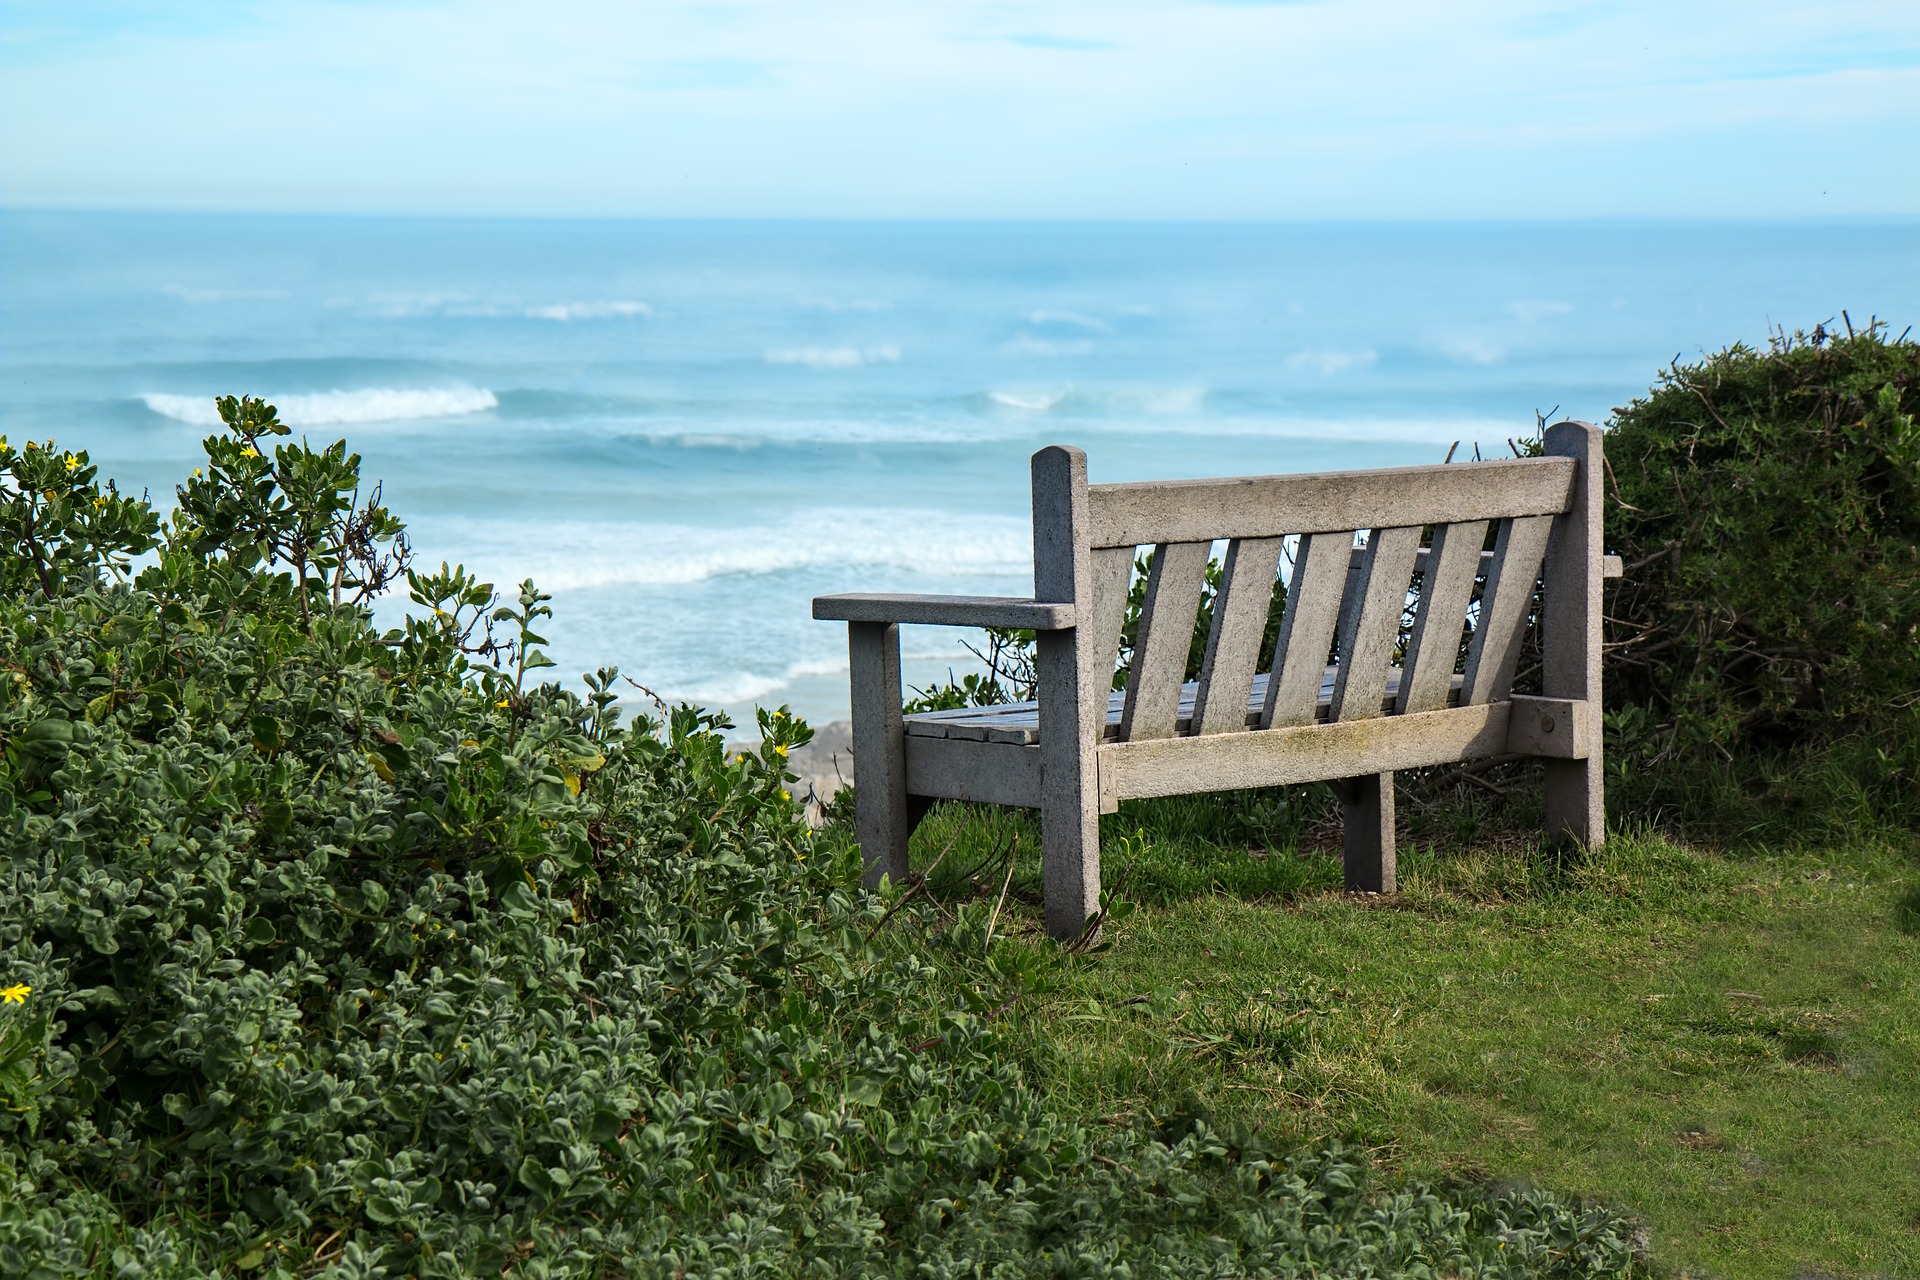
x=1159, y=400
x=582, y=555
x=729, y=690
x=589, y=311
x=1071, y=319
x=835, y=357
x=339, y=408
x=1331, y=362
x=187, y=293
x=1027, y=344
x=1027, y=401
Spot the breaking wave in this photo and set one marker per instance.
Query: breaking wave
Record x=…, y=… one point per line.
x=835, y=357
x=339, y=408
x=583, y=555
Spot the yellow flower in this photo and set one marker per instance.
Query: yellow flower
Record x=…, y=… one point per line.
x=196, y=473
x=73, y=463
x=785, y=794
x=504, y=702
x=250, y=452
x=780, y=749
x=16, y=994
x=99, y=503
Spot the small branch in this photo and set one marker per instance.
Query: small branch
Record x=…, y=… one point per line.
x=918, y=885
x=1013, y=856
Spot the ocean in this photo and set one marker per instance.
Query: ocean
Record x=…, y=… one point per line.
x=685, y=430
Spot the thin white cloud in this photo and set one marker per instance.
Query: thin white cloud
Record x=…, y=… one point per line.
x=1397, y=108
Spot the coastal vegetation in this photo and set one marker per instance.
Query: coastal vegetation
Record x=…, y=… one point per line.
x=328, y=950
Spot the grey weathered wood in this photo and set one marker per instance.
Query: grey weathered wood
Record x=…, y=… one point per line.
x=1019, y=722
x=1367, y=834
x=1268, y=506
x=1557, y=728
x=1239, y=624
x=949, y=611
x=1504, y=608
x=1306, y=629
x=1370, y=622
x=1445, y=587
x=980, y=772
x=1570, y=636
x=1334, y=723
x=1610, y=565
x=881, y=820
x=1112, y=577
x=1071, y=693
x=1303, y=753
x=1164, y=638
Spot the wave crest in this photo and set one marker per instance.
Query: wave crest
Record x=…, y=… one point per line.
x=835, y=357
x=582, y=555
x=339, y=408
x=590, y=311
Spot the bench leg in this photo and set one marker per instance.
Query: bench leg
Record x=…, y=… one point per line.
x=1069, y=791
x=1576, y=806
x=1366, y=813
x=882, y=817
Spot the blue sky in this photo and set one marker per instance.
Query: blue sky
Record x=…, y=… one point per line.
x=1038, y=109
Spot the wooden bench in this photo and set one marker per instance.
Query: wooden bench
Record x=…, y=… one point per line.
x=1254, y=719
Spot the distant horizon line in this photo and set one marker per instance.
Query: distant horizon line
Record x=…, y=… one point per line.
x=1702, y=219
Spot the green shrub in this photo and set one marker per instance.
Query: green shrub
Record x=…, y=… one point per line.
x=1768, y=507
x=326, y=951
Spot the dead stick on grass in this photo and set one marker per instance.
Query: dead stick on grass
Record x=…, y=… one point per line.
x=1013, y=856
x=918, y=885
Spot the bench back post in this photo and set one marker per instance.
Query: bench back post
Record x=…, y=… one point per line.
x=1072, y=690
x=1570, y=635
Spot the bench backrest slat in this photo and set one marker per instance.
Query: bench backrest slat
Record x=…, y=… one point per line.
x=1446, y=586
x=1306, y=629
x=1239, y=624
x=1163, y=640
x=1112, y=578
x=1370, y=623
x=1132, y=515
x=1505, y=605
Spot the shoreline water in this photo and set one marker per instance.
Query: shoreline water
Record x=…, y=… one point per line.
x=685, y=431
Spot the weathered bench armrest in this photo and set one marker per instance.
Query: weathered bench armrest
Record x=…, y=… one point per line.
x=945, y=611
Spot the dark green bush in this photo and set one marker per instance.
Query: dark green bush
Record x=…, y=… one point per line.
x=1767, y=504
x=334, y=952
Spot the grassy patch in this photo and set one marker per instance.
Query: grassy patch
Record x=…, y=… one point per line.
x=1726, y=1044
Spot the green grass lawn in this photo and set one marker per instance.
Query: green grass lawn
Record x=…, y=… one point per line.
x=1726, y=1044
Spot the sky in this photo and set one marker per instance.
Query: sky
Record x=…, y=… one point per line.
x=1125, y=109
